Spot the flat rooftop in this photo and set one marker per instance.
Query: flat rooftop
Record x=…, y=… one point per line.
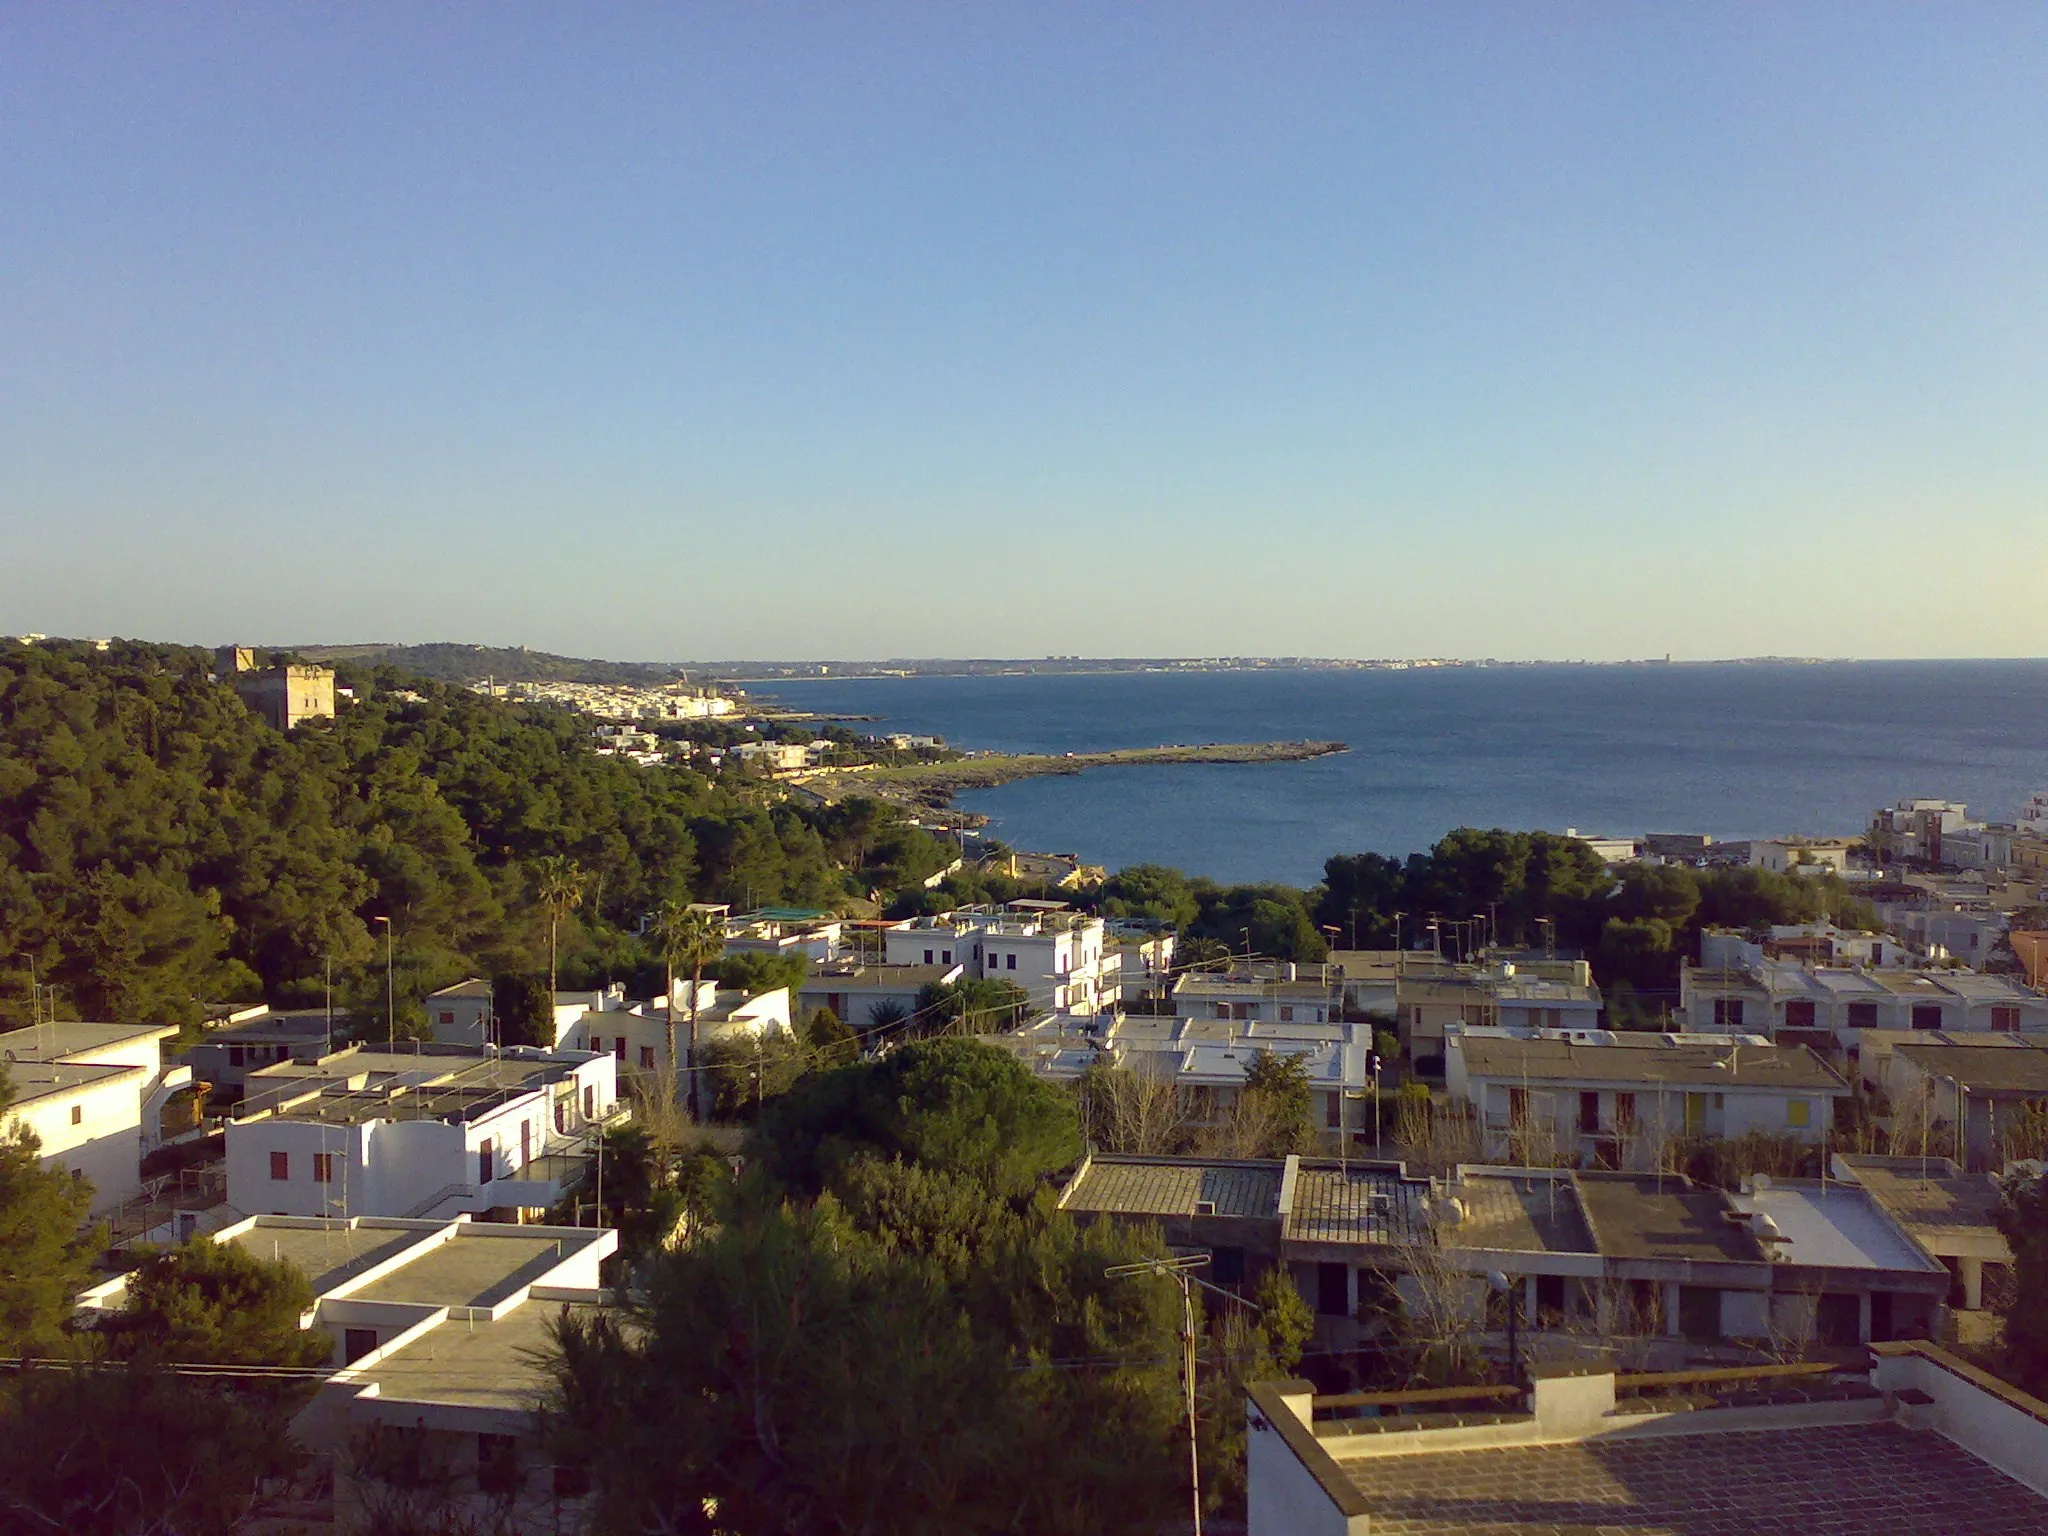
x=1520, y=1213
x=53, y=1042
x=1335, y=1203
x=1170, y=1187
x=475, y=1364
x=1983, y=1068
x=1832, y=1478
x=330, y=1254
x=1837, y=1225
x=1930, y=1197
x=32, y=1080
x=875, y=977
x=468, y=1270
x=1677, y=1065
x=1643, y=1216
x=456, y=1106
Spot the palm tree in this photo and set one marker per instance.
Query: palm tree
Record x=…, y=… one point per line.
x=689, y=936
x=558, y=885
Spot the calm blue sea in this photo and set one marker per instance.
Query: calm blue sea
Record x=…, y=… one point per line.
x=1736, y=751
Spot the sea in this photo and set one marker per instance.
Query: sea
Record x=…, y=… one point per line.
x=1733, y=750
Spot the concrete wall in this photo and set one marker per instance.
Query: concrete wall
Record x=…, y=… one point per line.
x=1282, y=1496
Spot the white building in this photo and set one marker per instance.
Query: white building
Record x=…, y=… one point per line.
x=1060, y=958
x=427, y=1133
x=226, y=1057
x=1765, y=996
x=1274, y=993
x=94, y=1096
x=465, y=1014
x=1800, y=855
x=437, y=1330
x=1968, y=936
x=817, y=936
x=1917, y=830
x=1207, y=1059
x=856, y=992
x=773, y=755
x=636, y=1038
x=1615, y=1105
x=1143, y=956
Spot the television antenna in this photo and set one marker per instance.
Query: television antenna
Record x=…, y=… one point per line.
x=1178, y=1269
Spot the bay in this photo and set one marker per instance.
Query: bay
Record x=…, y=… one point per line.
x=1750, y=750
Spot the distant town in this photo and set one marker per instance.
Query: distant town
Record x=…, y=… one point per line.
x=1698, y=1159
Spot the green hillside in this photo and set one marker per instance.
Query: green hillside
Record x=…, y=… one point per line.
x=448, y=662
x=161, y=845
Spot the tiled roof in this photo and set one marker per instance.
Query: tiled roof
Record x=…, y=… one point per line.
x=1857, y=1477
x=1333, y=1204
x=1170, y=1187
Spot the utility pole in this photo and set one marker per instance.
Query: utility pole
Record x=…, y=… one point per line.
x=1177, y=1269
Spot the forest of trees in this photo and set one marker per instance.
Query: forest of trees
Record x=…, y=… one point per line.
x=161, y=846
x=888, y=1326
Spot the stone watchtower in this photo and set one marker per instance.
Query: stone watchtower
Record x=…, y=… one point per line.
x=282, y=695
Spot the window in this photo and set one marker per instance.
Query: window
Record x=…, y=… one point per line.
x=486, y=1161
x=237, y=1056
x=1927, y=1015
x=1009, y=962
x=945, y=957
x=1625, y=1111
x=1728, y=1012
x=356, y=1343
x=1798, y=1114
x=497, y=1463
x=619, y=1048
x=280, y=1165
x=647, y=1057
x=1863, y=1015
x=323, y=1167
x=2007, y=1019
x=571, y=1481
x=1286, y=1014
x=589, y=1103
x=1333, y=1290
x=78, y=1114
x=1589, y=1113
x=1222, y=1010
x=927, y=957
x=1799, y=1014
x=1333, y=1111
x=447, y=1016
x=525, y=1142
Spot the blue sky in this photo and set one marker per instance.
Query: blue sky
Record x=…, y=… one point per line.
x=863, y=330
